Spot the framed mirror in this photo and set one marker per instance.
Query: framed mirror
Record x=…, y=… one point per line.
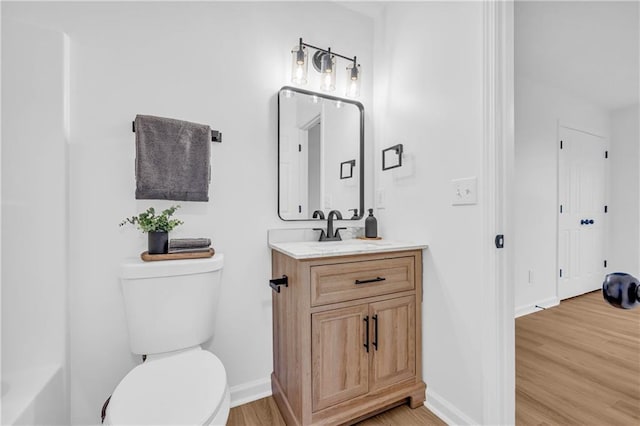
x=320, y=155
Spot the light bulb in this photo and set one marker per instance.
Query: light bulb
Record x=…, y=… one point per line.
x=354, y=76
x=299, y=64
x=328, y=72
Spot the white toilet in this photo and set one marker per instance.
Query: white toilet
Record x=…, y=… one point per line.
x=171, y=309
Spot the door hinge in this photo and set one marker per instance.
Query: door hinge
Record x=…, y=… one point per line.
x=606, y=154
x=499, y=241
x=560, y=273
x=299, y=148
x=560, y=144
x=606, y=209
x=605, y=263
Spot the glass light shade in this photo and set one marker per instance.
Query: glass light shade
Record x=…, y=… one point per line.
x=299, y=65
x=328, y=73
x=354, y=77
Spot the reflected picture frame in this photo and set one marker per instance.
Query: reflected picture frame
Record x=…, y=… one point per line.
x=346, y=169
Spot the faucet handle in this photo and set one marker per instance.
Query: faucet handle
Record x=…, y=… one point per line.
x=323, y=236
x=337, y=234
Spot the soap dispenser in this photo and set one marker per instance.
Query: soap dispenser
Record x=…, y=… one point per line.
x=371, y=226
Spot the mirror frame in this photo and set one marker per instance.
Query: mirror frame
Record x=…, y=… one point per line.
x=361, y=156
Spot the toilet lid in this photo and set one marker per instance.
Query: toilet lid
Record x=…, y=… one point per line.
x=183, y=389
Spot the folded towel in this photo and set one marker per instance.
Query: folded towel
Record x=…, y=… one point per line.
x=189, y=242
x=172, y=159
x=189, y=250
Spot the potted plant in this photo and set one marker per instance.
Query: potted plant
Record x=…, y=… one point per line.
x=157, y=226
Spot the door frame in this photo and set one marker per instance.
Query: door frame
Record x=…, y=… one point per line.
x=498, y=322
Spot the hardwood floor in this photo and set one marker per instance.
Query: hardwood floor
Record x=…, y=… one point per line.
x=265, y=412
x=578, y=363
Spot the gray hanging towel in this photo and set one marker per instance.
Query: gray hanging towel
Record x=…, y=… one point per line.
x=172, y=159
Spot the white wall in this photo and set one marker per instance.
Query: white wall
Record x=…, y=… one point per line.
x=34, y=225
x=624, y=247
x=538, y=110
x=215, y=63
x=428, y=82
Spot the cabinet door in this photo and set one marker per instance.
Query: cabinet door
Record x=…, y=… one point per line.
x=393, y=352
x=339, y=357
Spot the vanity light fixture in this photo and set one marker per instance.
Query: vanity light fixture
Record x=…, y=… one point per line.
x=324, y=61
x=353, y=79
x=299, y=64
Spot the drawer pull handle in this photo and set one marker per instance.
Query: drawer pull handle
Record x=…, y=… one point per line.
x=366, y=339
x=372, y=280
x=375, y=332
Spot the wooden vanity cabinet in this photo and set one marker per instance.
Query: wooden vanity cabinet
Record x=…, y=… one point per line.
x=347, y=336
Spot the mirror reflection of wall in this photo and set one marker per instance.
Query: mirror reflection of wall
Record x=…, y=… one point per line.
x=315, y=141
x=316, y=134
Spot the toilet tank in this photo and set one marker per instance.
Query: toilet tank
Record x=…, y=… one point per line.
x=171, y=304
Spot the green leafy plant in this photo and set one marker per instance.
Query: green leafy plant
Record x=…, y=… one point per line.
x=148, y=221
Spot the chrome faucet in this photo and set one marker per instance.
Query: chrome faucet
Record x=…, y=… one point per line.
x=330, y=235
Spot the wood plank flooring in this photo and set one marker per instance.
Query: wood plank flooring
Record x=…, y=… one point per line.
x=576, y=364
x=264, y=412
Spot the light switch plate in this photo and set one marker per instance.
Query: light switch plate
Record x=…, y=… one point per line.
x=464, y=191
x=380, y=198
x=328, y=202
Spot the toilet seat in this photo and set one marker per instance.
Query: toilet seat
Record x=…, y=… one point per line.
x=186, y=388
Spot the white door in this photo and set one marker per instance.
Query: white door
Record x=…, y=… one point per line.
x=581, y=218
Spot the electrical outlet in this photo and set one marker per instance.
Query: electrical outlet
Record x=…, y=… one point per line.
x=464, y=191
x=380, y=198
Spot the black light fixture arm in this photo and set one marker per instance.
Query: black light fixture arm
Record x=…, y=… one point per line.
x=329, y=51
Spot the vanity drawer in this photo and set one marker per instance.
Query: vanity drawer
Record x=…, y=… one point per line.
x=355, y=280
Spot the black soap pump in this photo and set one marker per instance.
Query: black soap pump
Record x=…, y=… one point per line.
x=371, y=226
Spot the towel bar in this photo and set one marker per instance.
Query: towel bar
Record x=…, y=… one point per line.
x=216, y=136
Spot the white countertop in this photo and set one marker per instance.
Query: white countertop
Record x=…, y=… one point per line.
x=313, y=249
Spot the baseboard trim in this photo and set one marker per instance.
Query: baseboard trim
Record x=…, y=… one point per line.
x=535, y=307
x=250, y=391
x=447, y=412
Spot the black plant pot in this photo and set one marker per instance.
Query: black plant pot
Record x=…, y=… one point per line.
x=158, y=242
